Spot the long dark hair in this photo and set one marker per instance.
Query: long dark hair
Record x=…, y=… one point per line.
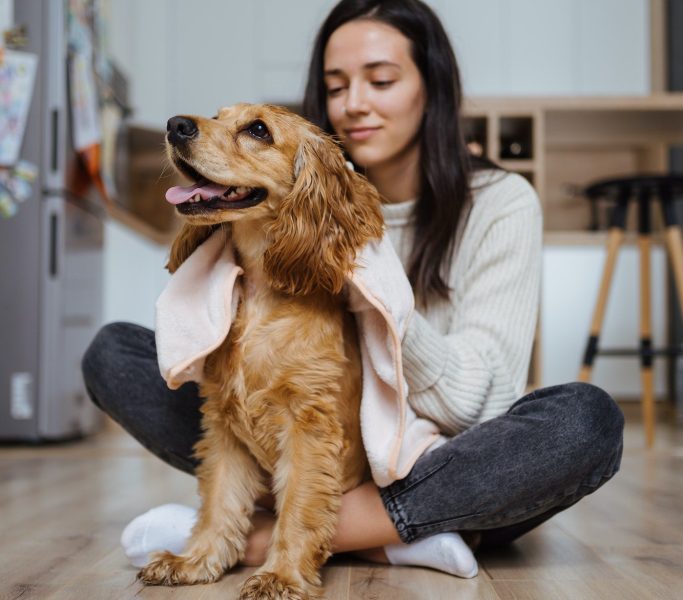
x=445, y=163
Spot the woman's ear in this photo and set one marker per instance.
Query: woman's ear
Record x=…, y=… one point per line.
x=329, y=215
x=186, y=242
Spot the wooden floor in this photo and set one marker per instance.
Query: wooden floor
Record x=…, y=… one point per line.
x=62, y=509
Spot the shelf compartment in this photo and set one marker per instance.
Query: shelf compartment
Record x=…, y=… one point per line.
x=516, y=138
x=476, y=134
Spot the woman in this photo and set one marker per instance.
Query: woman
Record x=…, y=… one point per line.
x=383, y=78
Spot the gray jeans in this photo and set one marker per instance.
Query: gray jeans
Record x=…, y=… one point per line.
x=501, y=478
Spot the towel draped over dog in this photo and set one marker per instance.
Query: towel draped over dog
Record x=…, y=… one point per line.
x=196, y=309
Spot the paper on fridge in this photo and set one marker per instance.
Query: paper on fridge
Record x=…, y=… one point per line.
x=17, y=77
x=84, y=104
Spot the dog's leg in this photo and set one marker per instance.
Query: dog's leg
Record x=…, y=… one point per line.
x=229, y=482
x=308, y=490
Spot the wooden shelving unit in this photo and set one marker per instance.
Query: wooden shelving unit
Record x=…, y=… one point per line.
x=573, y=141
x=570, y=142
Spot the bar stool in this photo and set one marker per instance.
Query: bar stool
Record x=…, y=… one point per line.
x=644, y=189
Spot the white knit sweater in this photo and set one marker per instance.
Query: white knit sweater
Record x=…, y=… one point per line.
x=466, y=360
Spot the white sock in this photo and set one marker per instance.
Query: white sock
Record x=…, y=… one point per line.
x=166, y=527
x=444, y=551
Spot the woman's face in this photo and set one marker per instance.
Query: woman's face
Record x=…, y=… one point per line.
x=375, y=92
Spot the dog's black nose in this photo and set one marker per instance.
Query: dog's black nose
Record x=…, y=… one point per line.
x=181, y=129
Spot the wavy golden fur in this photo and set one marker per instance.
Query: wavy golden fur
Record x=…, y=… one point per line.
x=282, y=393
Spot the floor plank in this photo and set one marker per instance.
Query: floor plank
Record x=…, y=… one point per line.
x=569, y=590
x=409, y=583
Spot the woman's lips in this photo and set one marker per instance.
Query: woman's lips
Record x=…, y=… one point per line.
x=359, y=134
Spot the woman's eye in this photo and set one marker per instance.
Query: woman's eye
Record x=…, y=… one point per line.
x=334, y=91
x=259, y=130
x=382, y=84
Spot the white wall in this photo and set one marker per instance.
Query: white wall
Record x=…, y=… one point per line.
x=185, y=56
x=134, y=275
x=194, y=56
x=550, y=47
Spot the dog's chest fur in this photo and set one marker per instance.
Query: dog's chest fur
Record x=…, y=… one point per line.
x=278, y=371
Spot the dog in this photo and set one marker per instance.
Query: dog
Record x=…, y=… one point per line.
x=282, y=392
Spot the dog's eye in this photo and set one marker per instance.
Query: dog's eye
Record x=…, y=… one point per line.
x=259, y=130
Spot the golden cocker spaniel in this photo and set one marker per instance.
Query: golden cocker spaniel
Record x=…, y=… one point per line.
x=283, y=391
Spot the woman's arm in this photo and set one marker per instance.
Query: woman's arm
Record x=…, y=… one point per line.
x=479, y=368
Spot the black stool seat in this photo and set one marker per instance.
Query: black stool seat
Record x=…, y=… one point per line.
x=644, y=188
x=654, y=185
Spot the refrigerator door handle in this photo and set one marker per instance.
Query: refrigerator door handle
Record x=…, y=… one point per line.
x=54, y=245
x=54, y=157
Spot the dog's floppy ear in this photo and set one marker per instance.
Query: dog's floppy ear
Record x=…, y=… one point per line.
x=186, y=243
x=328, y=216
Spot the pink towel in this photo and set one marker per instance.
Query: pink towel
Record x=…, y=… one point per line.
x=195, y=311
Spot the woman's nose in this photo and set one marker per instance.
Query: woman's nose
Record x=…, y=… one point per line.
x=356, y=100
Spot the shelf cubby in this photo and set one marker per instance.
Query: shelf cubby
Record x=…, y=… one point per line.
x=516, y=138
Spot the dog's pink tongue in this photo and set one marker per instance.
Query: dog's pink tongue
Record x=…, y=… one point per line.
x=179, y=194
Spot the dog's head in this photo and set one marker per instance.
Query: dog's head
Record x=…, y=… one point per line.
x=264, y=164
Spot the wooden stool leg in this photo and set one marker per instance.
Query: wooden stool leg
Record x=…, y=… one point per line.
x=673, y=237
x=674, y=247
x=614, y=239
x=674, y=241
x=648, y=399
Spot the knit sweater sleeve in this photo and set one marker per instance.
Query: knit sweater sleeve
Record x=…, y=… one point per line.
x=479, y=368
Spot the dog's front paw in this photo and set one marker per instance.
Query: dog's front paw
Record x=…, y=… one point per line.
x=169, y=569
x=270, y=586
